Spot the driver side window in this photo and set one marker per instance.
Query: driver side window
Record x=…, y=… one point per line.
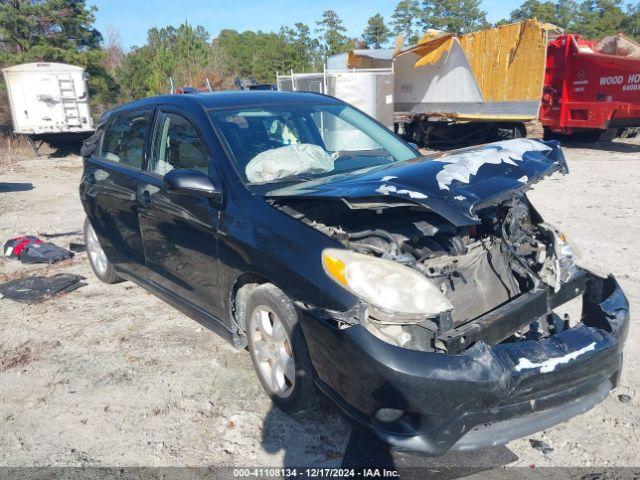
x=176, y=144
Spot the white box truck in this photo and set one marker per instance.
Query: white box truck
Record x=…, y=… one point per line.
x=49, y=102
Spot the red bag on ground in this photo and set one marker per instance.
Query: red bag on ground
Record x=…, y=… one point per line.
x=31, y=249
x=15, y=246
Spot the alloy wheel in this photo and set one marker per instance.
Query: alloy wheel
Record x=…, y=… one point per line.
x=96, y=254
x=271, y=348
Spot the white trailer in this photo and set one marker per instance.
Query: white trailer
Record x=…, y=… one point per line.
x=370, y=90
x=448, y=89
x=49, y=102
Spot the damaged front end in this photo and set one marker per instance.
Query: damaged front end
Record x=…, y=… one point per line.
x=456, y=340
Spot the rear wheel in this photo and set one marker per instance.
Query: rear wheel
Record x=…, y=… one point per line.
x=279, y=352
x=97, y=258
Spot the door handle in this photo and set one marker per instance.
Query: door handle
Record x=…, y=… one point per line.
x=144, y=200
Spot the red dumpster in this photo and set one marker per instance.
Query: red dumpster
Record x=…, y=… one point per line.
x=588, y=91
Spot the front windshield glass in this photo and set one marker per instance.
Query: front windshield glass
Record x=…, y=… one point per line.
x=296, y=143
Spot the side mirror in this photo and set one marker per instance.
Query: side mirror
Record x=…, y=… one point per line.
x=192, y=183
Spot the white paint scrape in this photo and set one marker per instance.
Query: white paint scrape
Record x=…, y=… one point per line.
x=461, y=166
x=387, y=189
x=551, y=364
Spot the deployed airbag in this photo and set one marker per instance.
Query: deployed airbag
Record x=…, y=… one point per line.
x=287, y=161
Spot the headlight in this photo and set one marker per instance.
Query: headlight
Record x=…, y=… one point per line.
x=567, y=247
x=399, y=292
x=562, y=244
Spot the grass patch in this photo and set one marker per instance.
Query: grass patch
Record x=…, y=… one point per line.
x=13, y=147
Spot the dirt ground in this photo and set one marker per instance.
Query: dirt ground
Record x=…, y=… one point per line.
x=110, y=375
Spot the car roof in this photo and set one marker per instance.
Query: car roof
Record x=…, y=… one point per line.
x=234, y=98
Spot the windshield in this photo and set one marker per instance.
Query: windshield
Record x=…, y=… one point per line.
x=295, y=143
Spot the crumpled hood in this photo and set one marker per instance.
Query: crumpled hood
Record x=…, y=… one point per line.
x=454, y=184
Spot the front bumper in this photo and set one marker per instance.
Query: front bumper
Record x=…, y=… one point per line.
x=487, y=395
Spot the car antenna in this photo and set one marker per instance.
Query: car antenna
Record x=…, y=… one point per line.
x=206, y=79
x=171, y=91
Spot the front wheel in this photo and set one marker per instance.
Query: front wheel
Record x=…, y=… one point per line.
x=279, y=352
x=97, y=258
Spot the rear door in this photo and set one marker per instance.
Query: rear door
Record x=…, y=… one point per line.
x=179, y=232
x=109, y=188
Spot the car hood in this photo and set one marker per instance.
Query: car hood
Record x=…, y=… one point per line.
x=453, y=184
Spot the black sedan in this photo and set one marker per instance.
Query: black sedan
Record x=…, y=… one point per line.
x=419, y=293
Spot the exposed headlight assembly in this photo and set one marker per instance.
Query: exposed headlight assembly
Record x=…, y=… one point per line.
x=565, y=255
x=394, y=292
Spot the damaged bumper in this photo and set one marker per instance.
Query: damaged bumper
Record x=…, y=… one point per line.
x=486, y=395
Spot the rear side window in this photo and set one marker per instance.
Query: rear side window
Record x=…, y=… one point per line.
x=176, y=144
x=124, y=135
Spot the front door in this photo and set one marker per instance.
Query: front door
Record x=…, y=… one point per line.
x=179, y=232
x=109, y=187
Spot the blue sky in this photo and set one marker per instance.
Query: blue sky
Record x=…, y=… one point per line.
x=132, y=18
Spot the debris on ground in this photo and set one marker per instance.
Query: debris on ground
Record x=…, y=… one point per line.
x=541, y=446
x=30, y=249
x=60, y=234
x=624, y=398
x=77, y=247
x=36, y=289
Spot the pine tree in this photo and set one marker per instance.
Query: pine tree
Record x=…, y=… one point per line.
x=406, y=17
x=631, y=23
x=332, y=35
x=376, y=34
x=598, y=18
x=453, y=16
x=543, y=11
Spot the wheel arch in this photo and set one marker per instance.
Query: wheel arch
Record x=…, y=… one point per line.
x=239, y=294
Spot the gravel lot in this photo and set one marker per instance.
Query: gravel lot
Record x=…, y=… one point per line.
x=112, y=376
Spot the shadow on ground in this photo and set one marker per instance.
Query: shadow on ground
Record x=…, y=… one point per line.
x=618, y=147
x=323, y=439
x=8, y=187
x=65, y=150
x=365, y=451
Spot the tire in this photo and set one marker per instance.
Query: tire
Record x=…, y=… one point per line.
x=293, y=392
x=510, y=133
x=101, y=267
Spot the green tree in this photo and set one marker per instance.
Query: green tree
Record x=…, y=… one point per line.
x=405, y=21
x=631, y=23
x=259, y=55
x=544, y=11
x=592, y=19
x=598, y=18
x=57, y=31
x=377, y=33
x=565, y=13
x=331, y=32
x=133, y=74
x=192, y=54
x=453, y=16
x=302, y=48
x=182, y=54
x=562, y=13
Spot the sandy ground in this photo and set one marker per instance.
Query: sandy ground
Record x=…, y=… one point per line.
x=112, y=376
